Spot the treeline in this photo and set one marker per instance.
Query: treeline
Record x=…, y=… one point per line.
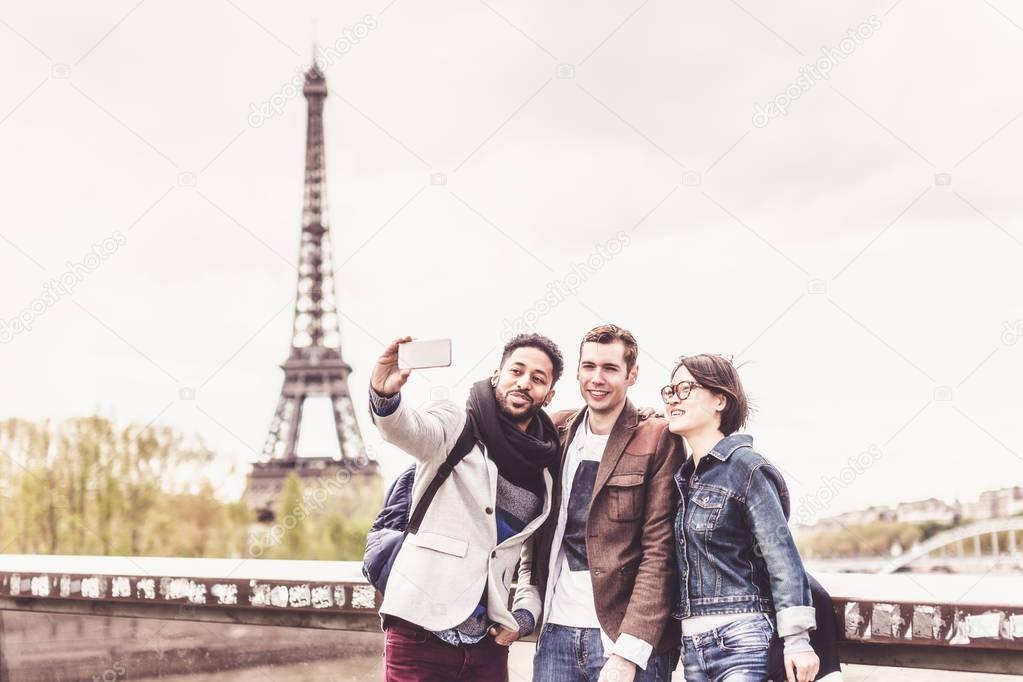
x=309, y=524
x=867, y=539
x=88, y=486
x=85, y=486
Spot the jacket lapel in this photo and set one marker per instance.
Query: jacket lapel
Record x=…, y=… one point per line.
x=620, y=436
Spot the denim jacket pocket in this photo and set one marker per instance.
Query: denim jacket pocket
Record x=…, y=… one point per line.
x=705, y=507
x=627, y=494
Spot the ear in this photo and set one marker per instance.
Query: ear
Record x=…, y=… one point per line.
x=494, y=377
x=633, y=375
x=549, y=398
x=722, y=403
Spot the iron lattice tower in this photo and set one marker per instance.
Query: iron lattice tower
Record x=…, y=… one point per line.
x=315, y=366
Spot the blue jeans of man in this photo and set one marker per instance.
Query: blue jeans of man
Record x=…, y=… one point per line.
x=569, y=654
x=737, y=652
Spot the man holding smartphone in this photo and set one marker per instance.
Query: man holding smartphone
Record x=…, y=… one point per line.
x=604, y=559
x=445, y=609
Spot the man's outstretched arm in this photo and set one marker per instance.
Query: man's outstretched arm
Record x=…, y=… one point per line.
x=427, y=434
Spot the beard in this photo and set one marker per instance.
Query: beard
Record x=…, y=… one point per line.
x=516, y=414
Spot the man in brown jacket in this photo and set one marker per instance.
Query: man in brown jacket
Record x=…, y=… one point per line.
x=604, y=561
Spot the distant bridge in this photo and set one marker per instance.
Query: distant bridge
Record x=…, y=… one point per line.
x=957, y=537
x=958, y=550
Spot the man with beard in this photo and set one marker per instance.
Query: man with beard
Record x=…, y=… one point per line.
x=604, y=559
x=445, y=610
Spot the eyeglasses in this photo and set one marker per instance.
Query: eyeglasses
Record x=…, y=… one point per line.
x=682, y=389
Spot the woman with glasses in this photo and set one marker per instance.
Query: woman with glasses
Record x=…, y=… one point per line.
x=741, y=578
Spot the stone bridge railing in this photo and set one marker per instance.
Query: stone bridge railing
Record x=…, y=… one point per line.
x=964, y=623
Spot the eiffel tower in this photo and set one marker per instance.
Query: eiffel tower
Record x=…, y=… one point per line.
x=315, y=366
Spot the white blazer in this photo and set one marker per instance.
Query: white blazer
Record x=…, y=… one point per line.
x=441, y=572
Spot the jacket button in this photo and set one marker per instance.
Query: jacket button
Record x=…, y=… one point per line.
x=596, y=571
x=489, y=510
x=493, y=555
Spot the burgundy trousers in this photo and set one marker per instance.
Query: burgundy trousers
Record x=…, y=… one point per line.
x=415, y=655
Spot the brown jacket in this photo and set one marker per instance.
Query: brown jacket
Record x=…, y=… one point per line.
x=630, y=540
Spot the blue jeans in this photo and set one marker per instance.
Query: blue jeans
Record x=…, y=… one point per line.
x=737, y=652
x=577, y=655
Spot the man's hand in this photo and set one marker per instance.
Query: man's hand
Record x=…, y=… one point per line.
x=504, y=636
x=802, y=667
x=645, y=413
x=386, y=378
x=617, y=669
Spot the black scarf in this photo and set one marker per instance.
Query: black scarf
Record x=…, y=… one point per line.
x=520, y=456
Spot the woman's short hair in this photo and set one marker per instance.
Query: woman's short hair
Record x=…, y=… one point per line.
x=716, y=373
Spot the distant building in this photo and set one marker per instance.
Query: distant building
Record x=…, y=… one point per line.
x=991, y=504
x=996, y=504
x=923, y=511
x=858, y=517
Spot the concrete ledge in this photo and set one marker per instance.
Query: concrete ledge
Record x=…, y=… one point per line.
x=888, y=620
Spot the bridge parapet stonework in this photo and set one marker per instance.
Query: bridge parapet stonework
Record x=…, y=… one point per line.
x=891, y=620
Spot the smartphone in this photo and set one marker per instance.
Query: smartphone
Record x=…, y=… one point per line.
x=422, y=354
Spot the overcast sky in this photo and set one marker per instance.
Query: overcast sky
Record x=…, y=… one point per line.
x=859, y=251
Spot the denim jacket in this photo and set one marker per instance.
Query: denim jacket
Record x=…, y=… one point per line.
x=734, y=549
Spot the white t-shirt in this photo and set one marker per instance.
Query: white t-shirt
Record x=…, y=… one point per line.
x=572, y=604
x=571, y=594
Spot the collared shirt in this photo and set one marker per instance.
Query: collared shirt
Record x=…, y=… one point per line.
x=570, y=591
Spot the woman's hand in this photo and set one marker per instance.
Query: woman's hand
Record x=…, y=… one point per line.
x=645, y=413
x=802, y=667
